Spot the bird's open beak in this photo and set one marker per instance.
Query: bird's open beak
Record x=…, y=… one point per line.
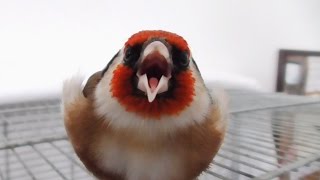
x=154, y=70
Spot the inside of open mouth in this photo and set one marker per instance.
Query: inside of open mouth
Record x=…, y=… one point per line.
x=154, y=69
x=153, y=74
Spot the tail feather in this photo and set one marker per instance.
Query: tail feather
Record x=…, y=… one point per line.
x=72, y=89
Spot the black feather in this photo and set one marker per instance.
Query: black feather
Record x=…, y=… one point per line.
x=180, y=59
x=195, y=64
x=132, y=55
x=109, y=63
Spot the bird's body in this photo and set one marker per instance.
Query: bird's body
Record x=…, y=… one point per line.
x=125, y=127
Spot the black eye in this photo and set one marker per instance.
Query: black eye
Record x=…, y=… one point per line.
x=180, y=58
x=131, y=55
x=184, y=61
x=128, y=54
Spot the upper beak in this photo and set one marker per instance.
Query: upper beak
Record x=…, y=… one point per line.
x=154, y=70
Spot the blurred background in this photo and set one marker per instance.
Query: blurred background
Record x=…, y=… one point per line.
x=43, y=42
x=252, y=48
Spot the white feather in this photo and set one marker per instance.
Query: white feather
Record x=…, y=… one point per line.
x=222, y=101
x=72, y=90
x=136, y=165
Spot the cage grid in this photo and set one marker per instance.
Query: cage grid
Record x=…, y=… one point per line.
x=269, y=136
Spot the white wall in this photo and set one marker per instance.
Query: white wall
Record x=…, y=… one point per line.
x=43, y=41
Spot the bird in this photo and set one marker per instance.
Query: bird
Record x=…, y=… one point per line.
x=146, y=115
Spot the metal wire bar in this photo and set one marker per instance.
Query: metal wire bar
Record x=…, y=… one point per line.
x=15, y=111
x=302, y=137
x=48, y=162
x=265, y=140
x=16, y=118
x=275, y=149
x=264, y=147
x=23, y=164
x=3, y=139
x=257, y=151
x=26, y=143
x=54, y=150
x=14, y=167
x=283, y=129
x=5, y=134
x=38, y=173
x=279, y=150
x=267, y=115
x=265, y=134
x=19, y=134
x=233, y=170
x=288, y=122
x=234, y=151
x=242, y=162
x=18, y=122
x=21, y=176
x=34, y=166
x=273, y=107
x=280, y=133
x=216, y=175
x=68, y=156
x=52, y=126
x=310, y=111
x=284, y=123
x=42, y=121
x=278, y=137
x=274, y=143
x=1, y=175
x=288, y=167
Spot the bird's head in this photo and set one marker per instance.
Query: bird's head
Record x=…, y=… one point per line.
x=153, y=76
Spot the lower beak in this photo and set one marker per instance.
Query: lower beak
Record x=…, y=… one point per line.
x=154, y=71
x=153, y=86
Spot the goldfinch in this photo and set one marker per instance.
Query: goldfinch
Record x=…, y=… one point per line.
x=147, y=115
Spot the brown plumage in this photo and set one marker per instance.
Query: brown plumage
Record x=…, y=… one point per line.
x=114, y=153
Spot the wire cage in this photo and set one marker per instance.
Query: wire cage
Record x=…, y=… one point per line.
x=270, y=136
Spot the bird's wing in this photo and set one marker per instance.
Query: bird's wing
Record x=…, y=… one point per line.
x=91, y=84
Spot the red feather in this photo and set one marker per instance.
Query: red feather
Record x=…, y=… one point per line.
x=183, y=93
x=171, y=38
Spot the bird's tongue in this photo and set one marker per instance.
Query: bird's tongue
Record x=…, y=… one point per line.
x=153, y=82
x=152, y=86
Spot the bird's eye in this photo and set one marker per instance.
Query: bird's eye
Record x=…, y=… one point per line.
x=131, y=55
x=184, y=61
x=180, y=58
